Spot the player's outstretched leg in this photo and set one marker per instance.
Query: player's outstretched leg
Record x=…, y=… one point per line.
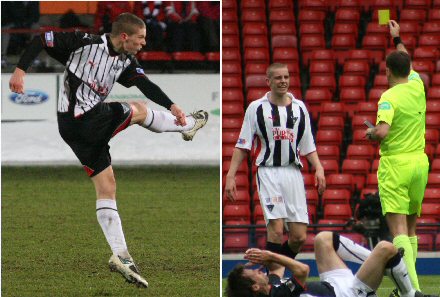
x=128, y=269
x=163, y=121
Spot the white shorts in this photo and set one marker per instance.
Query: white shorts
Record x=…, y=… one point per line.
x=282, y=194
x=346, y=284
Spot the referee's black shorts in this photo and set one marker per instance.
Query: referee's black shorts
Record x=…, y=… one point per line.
x=88, y=135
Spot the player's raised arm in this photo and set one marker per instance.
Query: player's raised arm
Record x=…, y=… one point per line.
x=395, y=33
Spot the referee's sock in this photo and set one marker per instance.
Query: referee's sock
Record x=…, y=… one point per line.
x=161, y=121
x=415, y=246
x=108, y=218
x=348, y=250
x=403, y=241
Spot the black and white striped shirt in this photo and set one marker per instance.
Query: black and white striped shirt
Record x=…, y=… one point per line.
x=92, y=69
x=279, y=133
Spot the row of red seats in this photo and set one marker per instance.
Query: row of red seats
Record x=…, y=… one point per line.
x=178, y=56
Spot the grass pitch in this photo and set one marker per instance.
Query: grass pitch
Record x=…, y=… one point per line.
x=52, y=244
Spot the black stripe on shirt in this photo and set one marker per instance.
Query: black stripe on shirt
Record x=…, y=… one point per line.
x=289, y=125
x=301, y=127
x=262, y=126
x=277, y=146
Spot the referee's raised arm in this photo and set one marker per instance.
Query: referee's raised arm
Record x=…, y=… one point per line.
x=395, y=34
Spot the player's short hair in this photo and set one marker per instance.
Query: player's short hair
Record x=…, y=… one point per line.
x=272, y=67
x=399, y=63
x=126, y=23
x=238, y=284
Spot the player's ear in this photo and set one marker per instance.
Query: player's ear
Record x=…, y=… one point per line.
x=255, y=287
x=124, y=36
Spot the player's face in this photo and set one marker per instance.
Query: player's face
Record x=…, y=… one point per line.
x=279, y=81
x=259, y=277
x=134, y=43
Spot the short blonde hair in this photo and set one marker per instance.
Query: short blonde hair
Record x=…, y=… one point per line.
x=126, y=23
x=272, y=67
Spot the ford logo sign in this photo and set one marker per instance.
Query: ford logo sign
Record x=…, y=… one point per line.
x=29, y=97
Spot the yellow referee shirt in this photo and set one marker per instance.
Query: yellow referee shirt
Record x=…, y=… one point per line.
x=403, y=107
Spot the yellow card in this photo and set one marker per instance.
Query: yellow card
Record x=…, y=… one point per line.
x=384, y=16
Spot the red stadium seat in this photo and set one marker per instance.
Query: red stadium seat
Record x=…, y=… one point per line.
x=255, y=29
x=255, y=94
x=434, y=14
x=255, y=41
x=309, y=181
x=361, y=152
x=235, y=230
x=308, y=245
x=311, y=28
x=347, y=16
x=312, y=197
x=418, y=4
x=229, y=4
x=232, y=109
x=352, y=95
x=317, y=96
x=356, y=237
x=311, y=42
x=230, y=41
x=433, y=180
x=357, y=167
x=337, y=211
x=329, y=82
x=429, y=40
x=426, y=242
x=367, y=108
x=230, y=137
x=423, y=66
x=281, y=4
x=435, y=79
x=282, y=29
x=229, y=15
x=351, y=81
x=322, y=68
x=333, y=109
x=256, y=55
x=253, y=15
x=330, y=166
x=285, y=55
x=188, y=56
x=253, y=4
x=284, y=41
x=434, y=93
x=409, y=28
x=374, y=42
x=256, y=80
x=256, y=68
x=336, y=196
x=432, y=121
x=380, y=81
x=281, y=15
x=372, y=180
x=230, y=28
x=331, y=123
x=236, y=212
x=329, y=137
x=429, y=151
x=236, y=242
x=432, y=136
x=431, y=210
x=432, y=28
x=360, y=55
x=242, y=197
x=229, y=81
x=432, y=194
x=351, y=4
x=311, y=16
x=376, y=29
x=231, y=68
x=328, y=152
x=421, y=221
x=331, y=222
x=359, y=119
x=343, y=41
x=413, y=15
x=375, y=94
x=231, y=124
x=359, y=137
x=311, y=209
x=357, y=68
x=435, y=165
x=340, y=181
x=345, y=28
x=231, y=55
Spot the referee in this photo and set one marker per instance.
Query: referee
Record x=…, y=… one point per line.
x=86, y=123
x=281, y=125
x=403, y=167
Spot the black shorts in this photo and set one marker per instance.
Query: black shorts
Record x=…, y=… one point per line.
x=88, y=135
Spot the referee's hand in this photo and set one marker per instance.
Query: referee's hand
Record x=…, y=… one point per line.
x=231, y=188
x=16, y=83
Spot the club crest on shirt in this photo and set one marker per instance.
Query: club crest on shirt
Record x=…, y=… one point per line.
x=241, y=141
x=48, y=36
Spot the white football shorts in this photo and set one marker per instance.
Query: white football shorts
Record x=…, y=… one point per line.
x=346, y=284
x=282, y=194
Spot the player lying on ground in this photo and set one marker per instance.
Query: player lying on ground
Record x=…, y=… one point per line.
x=331, y=250
x=86, y=123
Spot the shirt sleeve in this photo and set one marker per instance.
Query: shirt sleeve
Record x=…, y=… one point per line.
x=248, y=129
x=307, y=143
x=290, y=288
x=385, y=111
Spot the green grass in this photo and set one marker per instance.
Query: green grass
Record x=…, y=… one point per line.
x=429, y=284
x=52, y=244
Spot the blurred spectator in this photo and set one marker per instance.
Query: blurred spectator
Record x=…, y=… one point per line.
x=18, y=15
x=106, y=13
x=70, y=20
x=183, y=33
x=154, y=16
x=209, y=23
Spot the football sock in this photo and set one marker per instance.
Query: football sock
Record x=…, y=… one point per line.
x=415, y=246
x=162, y=121
x=274, y=247
x=398, y=272
x=403, y=241
x=287, y=251
x=348, y=250
x=108, y=218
